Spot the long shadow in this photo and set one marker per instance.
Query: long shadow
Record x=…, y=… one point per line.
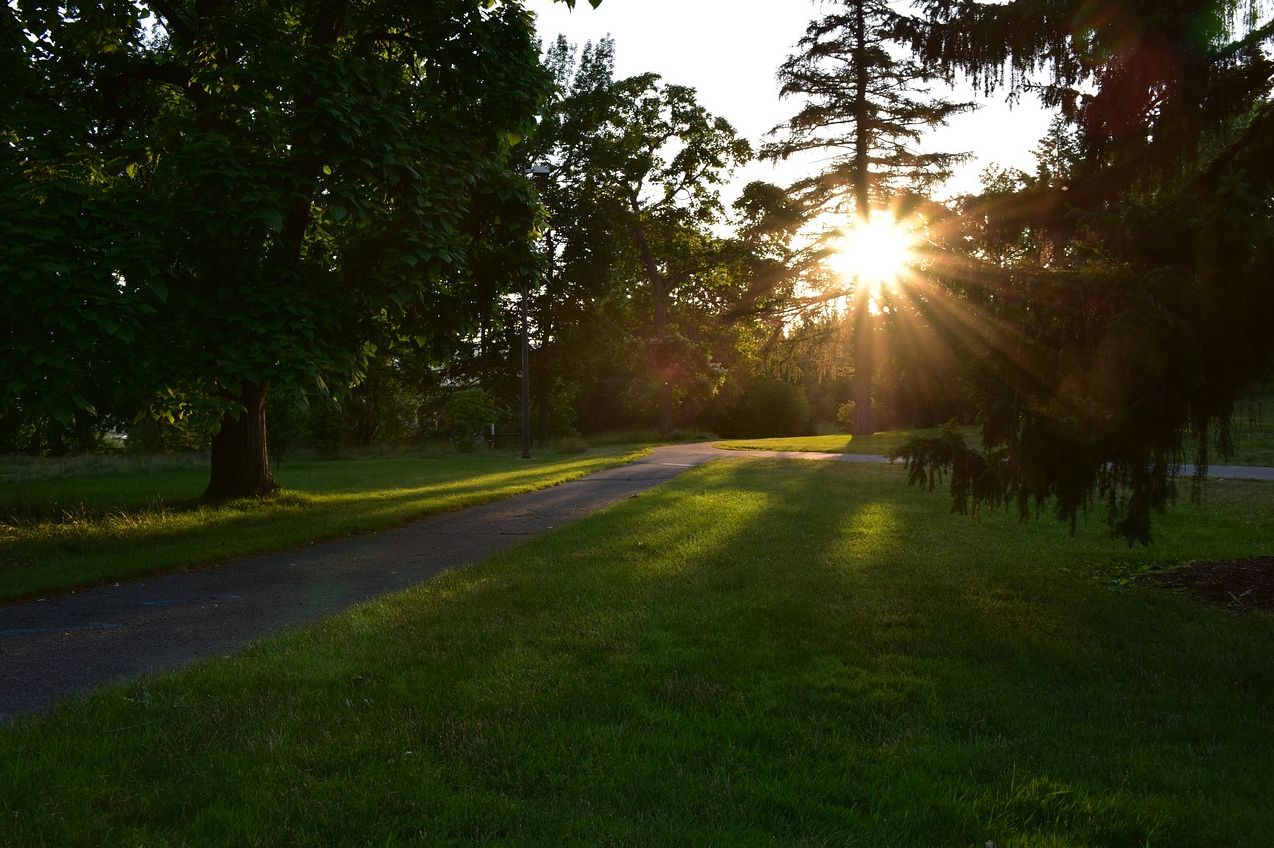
x=1022, y=698
x=757, y=653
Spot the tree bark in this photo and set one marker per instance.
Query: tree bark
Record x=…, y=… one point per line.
x=864, y=368
x=864, y=353
x=240, y=455
x=862, y=116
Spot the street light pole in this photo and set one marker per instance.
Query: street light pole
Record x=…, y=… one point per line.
x=526, y=377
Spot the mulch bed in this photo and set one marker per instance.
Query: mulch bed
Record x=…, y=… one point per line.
x=1240, y=583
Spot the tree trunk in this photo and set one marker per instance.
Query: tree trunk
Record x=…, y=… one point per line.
x=240, y=456
x=864, y=353
x=862, y=115
x=864, y=368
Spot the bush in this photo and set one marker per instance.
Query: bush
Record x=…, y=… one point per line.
x=845, y=416
x=466, y=416
x=767, y=408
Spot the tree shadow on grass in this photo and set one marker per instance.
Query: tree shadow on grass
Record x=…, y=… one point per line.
x=755, y=654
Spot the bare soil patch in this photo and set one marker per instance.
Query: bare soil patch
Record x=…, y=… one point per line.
x=1237, y=584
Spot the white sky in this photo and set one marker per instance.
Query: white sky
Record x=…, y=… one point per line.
x=730, y=50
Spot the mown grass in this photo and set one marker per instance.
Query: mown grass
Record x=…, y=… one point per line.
x=759, y=653
x=71, y=531
x=876, y=443
x=1253, y=432
x=1253, y=440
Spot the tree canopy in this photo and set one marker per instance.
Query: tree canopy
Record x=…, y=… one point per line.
x=208, y=198
x=867, y=104
x=1129, y=314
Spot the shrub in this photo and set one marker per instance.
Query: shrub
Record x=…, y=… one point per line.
x=769, y=407
x=845, y=416
x=466, y=416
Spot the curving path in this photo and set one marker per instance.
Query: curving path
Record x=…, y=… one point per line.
x=59, y=646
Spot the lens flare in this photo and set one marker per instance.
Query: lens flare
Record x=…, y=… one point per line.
x=875, y=253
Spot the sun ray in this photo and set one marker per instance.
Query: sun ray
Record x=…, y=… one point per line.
x=875, y=254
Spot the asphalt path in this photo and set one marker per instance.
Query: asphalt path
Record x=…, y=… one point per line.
x=69, y=644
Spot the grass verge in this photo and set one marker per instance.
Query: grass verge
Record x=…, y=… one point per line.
x=1253, y=432
x=758, y=654
x=877, y=443
x=1253, y=440
x=76, y=531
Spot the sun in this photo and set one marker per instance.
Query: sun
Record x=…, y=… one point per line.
x=875, y=253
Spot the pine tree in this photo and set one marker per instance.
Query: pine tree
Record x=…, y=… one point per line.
x=1102, y=357
x=868, y=105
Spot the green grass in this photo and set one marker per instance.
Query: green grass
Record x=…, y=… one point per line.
x=1253, y=440
x=71, y=531
x=877, y=443
x=1253, y=434
x=758, y=654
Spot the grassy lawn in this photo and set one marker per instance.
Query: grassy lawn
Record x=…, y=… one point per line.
x=1253, y=434
x=877, y=443
x=1253, y=440
x=70, y=531
x=759, y=653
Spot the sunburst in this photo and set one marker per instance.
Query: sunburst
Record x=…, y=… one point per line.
x=875, y=254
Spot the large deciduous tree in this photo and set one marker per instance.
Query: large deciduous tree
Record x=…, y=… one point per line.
x=637, y=170
x=1122, y=302
x=203, y=198
x=867, y=104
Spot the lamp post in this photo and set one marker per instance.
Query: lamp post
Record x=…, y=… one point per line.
x=539, y=169
x=526, y=378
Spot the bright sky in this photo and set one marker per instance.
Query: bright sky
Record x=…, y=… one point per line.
x=730, y=50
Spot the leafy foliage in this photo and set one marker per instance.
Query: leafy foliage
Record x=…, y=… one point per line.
x=467, y=415
x=1113, y=305
x=207, y=199
x=635, y=275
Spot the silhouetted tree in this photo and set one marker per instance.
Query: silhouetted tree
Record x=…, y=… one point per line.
x=867, y=103
x=1134, y=306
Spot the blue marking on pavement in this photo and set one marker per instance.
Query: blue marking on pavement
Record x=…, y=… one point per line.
x=31, y=631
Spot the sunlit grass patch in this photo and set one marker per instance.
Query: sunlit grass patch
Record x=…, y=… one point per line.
x=76, y=531
x=877, y=443
x=759, y=653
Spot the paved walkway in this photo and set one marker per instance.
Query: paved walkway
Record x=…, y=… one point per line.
x=74, y=643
